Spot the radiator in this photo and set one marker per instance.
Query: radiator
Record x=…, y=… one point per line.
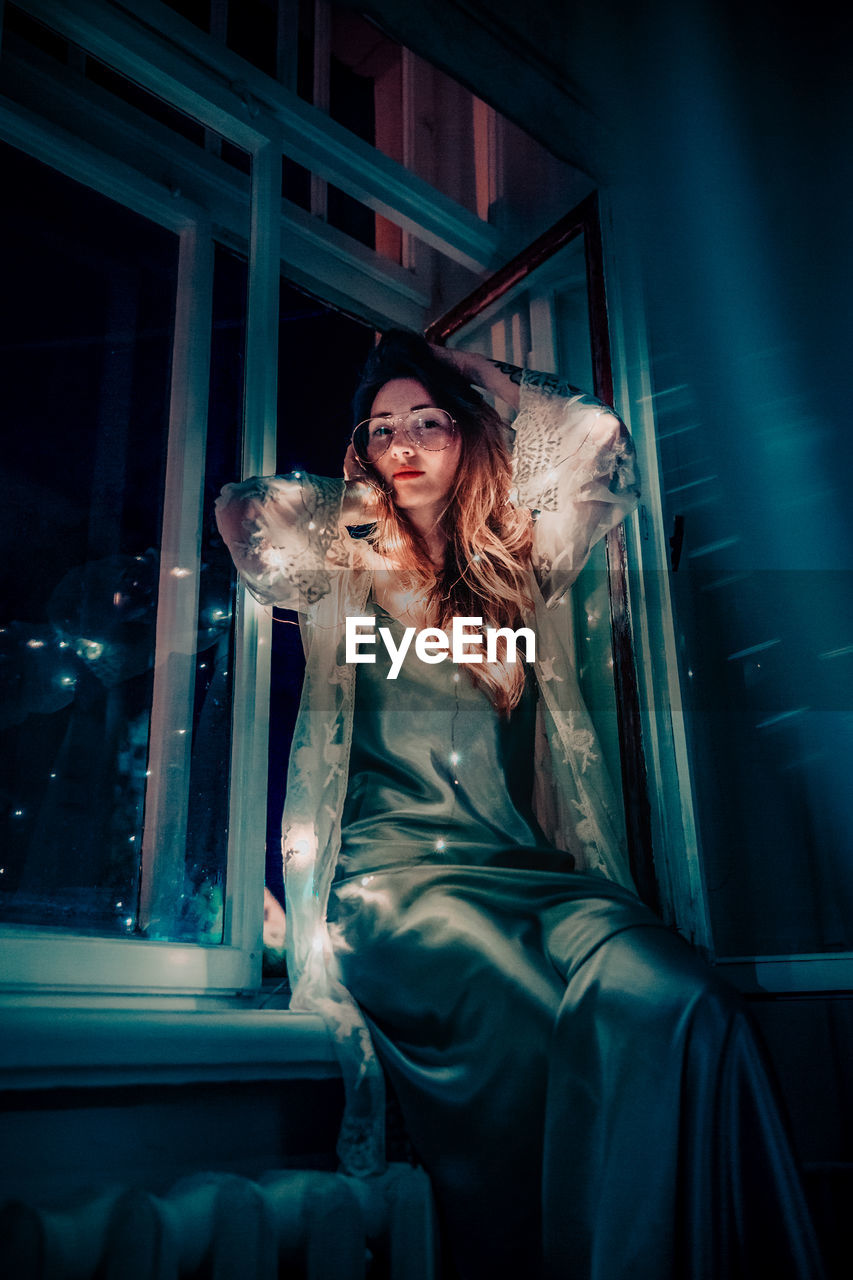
x=320, y=1226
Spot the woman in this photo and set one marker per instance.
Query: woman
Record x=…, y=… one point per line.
x=587, y=1097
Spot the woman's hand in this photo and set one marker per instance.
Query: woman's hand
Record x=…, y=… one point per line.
x=362, y=490
x=354, y=468
x=495, y=376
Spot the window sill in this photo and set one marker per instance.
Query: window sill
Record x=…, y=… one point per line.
x=52, y=1048
x=800, y=973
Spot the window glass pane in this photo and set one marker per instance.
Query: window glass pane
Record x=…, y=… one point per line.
x=767, y=662
x=196, y=11
x=252, y=32
x=309, y=331
x=19, y=27
x=86, y=351
x=86, y=359
x=199, y=914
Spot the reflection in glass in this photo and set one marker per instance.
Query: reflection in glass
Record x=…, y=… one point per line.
x=85, y=349
x=86, y=352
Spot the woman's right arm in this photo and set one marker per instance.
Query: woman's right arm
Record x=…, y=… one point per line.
x=279, y=530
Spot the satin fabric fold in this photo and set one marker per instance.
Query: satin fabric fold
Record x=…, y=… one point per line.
x=588, y=1097
x=586, y=1094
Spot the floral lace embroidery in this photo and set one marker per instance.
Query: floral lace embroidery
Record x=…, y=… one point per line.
x=571, y=458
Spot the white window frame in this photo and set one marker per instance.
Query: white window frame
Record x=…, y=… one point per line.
x=38, y=958
x=200, y=77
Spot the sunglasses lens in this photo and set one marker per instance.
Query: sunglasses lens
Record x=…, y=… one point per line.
x=430, y=429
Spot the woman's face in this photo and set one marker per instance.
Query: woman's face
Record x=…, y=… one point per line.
x=418, y=478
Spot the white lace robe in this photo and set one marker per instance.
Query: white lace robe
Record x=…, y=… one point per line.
x=573, y=464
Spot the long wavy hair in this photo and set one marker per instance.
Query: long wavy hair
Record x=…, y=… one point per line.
x=488, y=538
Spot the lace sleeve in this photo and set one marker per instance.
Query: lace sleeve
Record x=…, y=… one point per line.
x=574, y=467
x=280, y=531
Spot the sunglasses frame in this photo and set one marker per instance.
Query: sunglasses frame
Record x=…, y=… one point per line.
x=398, y=417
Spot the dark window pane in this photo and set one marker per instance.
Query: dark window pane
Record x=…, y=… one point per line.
x=19, y=26
x=85, y=347
x=252, y=32
x=197, y=11
x=133, y=94
x=309, y=331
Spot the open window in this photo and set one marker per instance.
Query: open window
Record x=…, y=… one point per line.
x=176, y=140
x=547, y=310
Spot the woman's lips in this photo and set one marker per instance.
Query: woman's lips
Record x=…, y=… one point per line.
x=407, y=475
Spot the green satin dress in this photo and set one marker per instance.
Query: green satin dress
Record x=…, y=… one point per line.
x=587, y=1096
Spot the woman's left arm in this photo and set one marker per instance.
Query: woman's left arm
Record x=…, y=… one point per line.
x=574, y=464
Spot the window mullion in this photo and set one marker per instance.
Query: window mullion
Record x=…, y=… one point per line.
x=167, y=793
x=247, y=826
x=322, y=93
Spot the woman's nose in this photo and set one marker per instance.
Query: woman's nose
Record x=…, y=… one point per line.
x=402, y=442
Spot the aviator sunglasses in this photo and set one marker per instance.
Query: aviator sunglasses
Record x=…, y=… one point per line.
x=430, y=428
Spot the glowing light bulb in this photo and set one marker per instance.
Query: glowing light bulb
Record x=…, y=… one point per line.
x=440, y=844
x=454, y=757
x=180, y=572
x=35, y=644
